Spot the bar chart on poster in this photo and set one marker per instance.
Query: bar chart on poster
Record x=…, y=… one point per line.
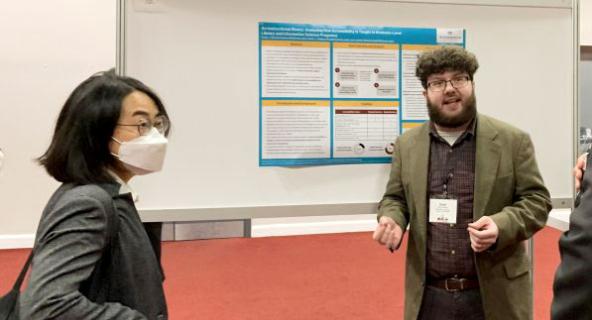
x=283, y=108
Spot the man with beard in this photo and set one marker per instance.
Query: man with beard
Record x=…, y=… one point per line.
x=469, y=189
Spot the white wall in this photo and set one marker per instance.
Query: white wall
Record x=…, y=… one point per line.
x=47, y=48
x=585, y=93
x=585, y=74
x=586, y=22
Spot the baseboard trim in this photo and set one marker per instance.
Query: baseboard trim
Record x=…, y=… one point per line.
x=22, y=241
x=304, y=228
x=17, y=241
x=559, y=219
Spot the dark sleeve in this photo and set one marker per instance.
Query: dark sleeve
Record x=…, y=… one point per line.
x=572, y=289
x=70, y=241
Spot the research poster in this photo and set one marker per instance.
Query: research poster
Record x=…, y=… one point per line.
x=340, y=94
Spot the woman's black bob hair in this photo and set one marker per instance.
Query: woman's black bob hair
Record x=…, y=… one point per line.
x=79, y=150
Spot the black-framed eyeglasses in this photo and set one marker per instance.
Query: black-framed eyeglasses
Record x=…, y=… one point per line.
x=160, y=123
x=456, y=82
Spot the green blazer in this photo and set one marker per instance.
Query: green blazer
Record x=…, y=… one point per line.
x=508, y=187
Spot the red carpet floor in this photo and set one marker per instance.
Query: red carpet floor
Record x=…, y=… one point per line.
x=339, y=276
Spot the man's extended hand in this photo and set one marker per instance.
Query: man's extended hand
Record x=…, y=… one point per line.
x=483, y=233
x=578, y=170
x=388, y=233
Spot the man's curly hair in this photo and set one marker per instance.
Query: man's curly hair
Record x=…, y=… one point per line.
x=447, y=58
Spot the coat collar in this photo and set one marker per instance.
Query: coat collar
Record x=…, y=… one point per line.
x=112, y=188
x=123, y=187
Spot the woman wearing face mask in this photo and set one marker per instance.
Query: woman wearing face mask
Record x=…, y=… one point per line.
x=93, y=257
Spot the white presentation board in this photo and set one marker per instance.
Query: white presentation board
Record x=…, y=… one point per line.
x=202, y=58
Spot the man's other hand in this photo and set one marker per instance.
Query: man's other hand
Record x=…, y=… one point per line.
x=578, y=170
x=483, y=233
x=388, y=233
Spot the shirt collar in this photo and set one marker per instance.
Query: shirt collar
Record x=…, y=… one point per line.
x=470, y=130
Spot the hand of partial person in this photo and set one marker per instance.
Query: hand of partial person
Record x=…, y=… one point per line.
x=578, y=170
x=388, y=233
x=483, y=233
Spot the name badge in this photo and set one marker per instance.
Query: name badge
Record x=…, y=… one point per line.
x=443, y=210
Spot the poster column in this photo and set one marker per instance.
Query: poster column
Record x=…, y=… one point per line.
x=294, y=126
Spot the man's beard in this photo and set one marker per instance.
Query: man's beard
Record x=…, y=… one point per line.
x=469, y=110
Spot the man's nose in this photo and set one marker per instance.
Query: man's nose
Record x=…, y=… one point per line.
x=448, y=86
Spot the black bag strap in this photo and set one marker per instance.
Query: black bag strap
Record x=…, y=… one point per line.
x=19, y=280
x=112, y=231
x=21, y=277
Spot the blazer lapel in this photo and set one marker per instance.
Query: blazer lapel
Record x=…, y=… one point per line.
x=487, y=159
x=419, y=157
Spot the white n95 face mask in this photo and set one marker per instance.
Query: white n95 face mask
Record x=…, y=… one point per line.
x=144, y=154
